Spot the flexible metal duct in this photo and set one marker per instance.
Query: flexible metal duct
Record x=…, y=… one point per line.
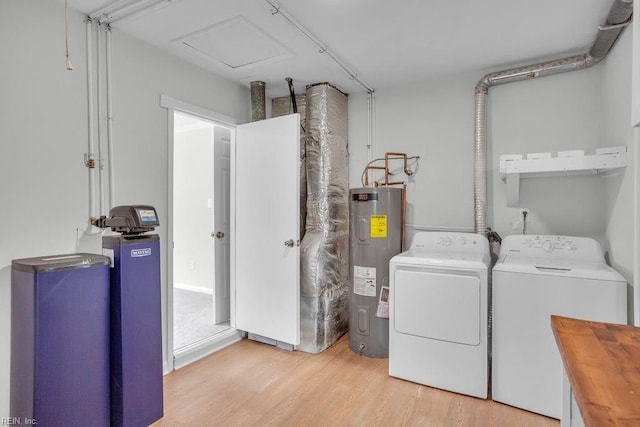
x=281, y=107
x=258, y=101
x=619, y=16
x=324, y=250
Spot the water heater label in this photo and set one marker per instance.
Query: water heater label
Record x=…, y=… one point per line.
x=364, y=281
x=378, y=226
x=136, y=253
x=383, y=303
x=364, y=197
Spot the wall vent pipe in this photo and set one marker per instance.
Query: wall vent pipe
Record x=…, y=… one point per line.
x=258, y=103
x=618, y=18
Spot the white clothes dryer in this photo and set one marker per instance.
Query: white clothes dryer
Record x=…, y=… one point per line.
x=535, y=277
x=439, y=312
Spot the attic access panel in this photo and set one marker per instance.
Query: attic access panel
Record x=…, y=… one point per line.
x=236, y=44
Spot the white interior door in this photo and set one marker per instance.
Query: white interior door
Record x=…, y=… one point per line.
x=222, y=166
x=265, y=244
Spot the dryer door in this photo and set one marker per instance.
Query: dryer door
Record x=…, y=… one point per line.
x=439, y=306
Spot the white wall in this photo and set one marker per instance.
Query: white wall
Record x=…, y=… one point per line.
x=619, y=186
x=550, y=114
x=434, y=119
x=193, y=213
x=43, y=127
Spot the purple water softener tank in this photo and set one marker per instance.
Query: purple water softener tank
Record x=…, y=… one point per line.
x=136, y=329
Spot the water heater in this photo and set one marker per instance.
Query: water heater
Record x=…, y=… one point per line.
x=375, y=224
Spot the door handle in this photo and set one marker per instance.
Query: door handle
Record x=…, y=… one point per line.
x=219, y=234
x=289, y=243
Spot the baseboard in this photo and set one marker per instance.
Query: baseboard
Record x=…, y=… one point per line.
x=193, y=288
x=206, y=347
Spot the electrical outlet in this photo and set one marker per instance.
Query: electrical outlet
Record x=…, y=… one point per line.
x=522, y=215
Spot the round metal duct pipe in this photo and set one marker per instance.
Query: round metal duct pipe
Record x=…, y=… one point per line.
x=258, y=103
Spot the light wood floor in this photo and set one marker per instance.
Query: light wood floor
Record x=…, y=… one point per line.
x=250, y=383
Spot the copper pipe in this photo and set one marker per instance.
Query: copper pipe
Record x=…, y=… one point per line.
x=387, y=157
x=385, y=168
x=367, y=169
x=387, y=183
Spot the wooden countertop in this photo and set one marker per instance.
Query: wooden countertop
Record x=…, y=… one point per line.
x=602, y=361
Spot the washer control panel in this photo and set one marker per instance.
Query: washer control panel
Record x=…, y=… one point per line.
x=559, y=247
x=550, y=243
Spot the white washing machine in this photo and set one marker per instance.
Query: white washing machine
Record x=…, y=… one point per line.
x=438, y=313
x=535, y=277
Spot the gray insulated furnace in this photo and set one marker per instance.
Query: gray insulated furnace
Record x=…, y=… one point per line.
x=375, y=224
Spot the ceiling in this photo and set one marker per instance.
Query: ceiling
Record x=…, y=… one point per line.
x=386, y=43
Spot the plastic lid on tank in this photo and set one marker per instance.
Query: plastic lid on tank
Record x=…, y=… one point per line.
x=59, y=262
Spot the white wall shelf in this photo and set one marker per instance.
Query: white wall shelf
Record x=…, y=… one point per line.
x=514, y=167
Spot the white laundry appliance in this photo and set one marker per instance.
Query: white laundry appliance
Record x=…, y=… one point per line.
x=535, y=277
x=439, y=300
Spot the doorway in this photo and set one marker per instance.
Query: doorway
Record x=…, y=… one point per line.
x=200, y=224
